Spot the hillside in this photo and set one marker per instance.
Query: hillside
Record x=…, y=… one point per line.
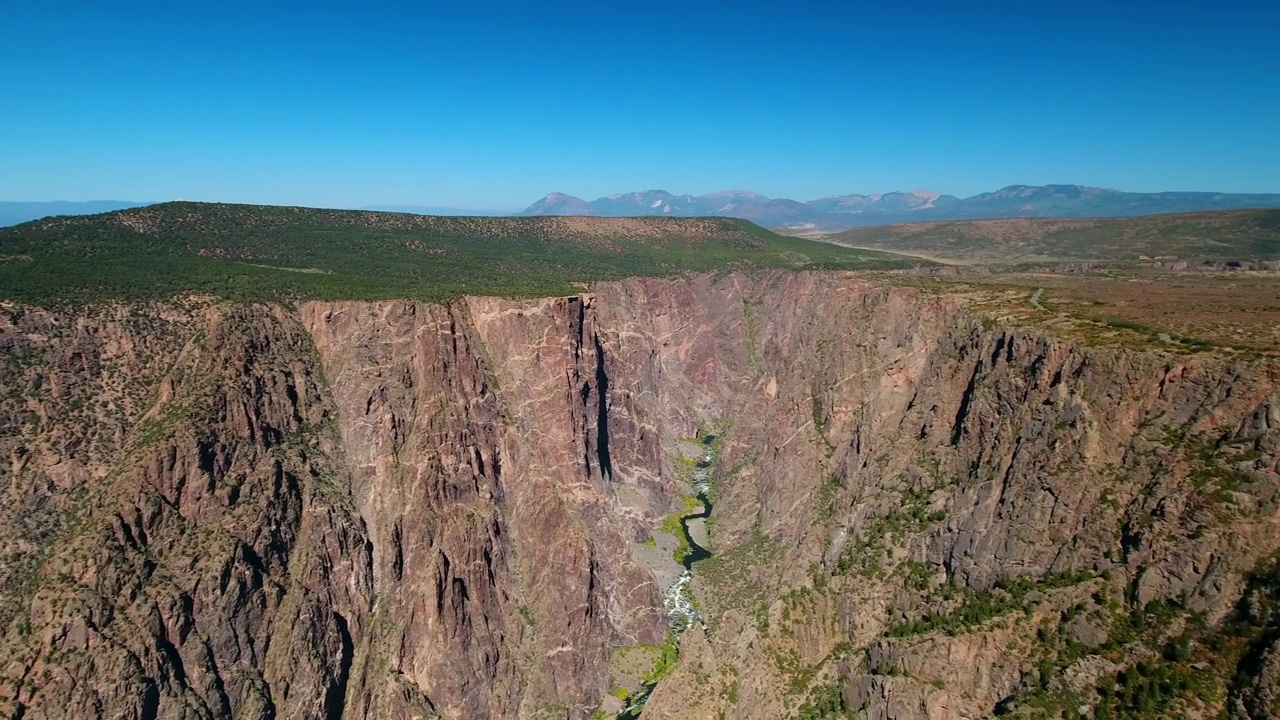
x=265, y=252
x=1221, y=236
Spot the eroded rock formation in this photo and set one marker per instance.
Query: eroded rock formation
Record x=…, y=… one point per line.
x=394, y=509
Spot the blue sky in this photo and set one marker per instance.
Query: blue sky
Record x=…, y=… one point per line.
x=491, y=105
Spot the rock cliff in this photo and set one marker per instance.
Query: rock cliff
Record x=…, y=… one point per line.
x=396, y=509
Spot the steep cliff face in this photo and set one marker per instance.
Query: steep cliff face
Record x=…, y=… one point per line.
x=942, y=503
x=396, y=509
x=479, y=459
x=204, y=564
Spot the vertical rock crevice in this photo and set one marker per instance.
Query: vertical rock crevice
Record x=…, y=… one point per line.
x=602, y=417
x=335, y=698
x=966, y=401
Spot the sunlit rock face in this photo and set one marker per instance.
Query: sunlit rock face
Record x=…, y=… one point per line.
x=393, y=509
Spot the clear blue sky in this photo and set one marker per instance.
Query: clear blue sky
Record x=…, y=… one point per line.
x=491, y=105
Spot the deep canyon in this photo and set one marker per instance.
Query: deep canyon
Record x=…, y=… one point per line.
x=400, y=509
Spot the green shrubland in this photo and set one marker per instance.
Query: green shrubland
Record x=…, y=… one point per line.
x=267, y=253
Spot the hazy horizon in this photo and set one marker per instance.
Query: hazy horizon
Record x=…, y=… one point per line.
x=431, y=206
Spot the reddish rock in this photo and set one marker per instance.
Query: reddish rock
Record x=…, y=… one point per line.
x=394, y=509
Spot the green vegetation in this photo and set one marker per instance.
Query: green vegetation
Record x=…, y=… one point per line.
x=733, y=580
x=1178, y=672
x=825, y=501
x=1173, y=662
x=1155, y=336
x=1199, y=664
x=671, y=524
x=1148, y=689
x=1126, y=324
x=264, y=253
x=975, y=608
x=790, y=665
x=825, y=702
x=637, y=669
x=712, y=435
x=668, y=656
x=864, y=557
x=527, y=615
x=915, y=575
x=820, y=423
x=712, y=438
x=1211, y=475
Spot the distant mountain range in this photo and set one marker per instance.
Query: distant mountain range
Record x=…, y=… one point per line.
x=840, y=212
x=12, y=213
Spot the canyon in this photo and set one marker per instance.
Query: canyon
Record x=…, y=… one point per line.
x=473, y=509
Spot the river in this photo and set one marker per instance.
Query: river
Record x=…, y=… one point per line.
x=682, y=611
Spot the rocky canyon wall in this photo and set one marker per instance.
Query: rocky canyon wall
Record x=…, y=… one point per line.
x=394, y=509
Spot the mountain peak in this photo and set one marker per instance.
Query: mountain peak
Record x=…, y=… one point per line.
x=642, y=196
x=1048, y=192
x=558, y=203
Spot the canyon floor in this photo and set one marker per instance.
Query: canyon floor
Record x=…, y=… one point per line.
x=771, y=489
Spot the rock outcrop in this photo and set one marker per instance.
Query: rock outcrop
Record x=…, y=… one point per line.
x=394, y=509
